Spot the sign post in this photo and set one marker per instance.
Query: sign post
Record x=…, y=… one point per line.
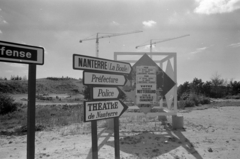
x=31, y=111
x=102, y=76
x=31, y=55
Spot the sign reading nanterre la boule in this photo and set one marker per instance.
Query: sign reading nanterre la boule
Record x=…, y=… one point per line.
x=81, y=62
x=91, y=78
x=105, y=92
x=97, y=110
x=19, y=53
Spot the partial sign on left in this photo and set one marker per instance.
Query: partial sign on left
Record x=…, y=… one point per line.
x=20, y=53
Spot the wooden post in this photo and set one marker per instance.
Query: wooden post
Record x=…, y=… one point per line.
x=31, y=111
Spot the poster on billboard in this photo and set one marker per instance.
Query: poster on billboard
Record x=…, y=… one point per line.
x=146, y=84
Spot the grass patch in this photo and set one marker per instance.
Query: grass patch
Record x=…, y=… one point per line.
x=59, y=115
x=226, y=103
x=47, y=117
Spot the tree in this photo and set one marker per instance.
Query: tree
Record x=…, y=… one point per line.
x=196, y=86
x=235, y=87
x=183, y=89
x=218, y=83
x=206, y=88
x=216, y=80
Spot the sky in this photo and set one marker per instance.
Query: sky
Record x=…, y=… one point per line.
x=213, y=46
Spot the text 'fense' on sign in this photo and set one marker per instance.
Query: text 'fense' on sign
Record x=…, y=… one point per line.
x=97, y=110
x=81, y=62
x=19, y=53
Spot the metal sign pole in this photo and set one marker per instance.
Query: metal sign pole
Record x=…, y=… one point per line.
x=116, y=138
x=31, y=111
x=94, y=131
x=94, y=139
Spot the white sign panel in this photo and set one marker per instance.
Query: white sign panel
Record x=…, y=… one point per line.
x=105, y=92
x=97, y=110
x=19, y=53
x=103, y=79
x=81, y=62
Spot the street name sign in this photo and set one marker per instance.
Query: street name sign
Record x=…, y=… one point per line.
x=105, y=92
x=81, y=62
x=97, y=110
x=91, y=78
x=19, y=53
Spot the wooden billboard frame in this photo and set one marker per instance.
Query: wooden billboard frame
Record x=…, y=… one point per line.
x=168, y=55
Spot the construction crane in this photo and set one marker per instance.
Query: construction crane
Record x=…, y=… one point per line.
x=106, y=36
x=152, y=43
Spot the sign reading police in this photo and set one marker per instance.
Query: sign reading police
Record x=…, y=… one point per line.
x=105, y=92
x=81, y=62
x=19, y=53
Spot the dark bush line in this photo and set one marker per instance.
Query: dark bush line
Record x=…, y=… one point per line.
x=7, y=104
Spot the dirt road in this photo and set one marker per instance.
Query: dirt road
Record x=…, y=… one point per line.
x=212, y=133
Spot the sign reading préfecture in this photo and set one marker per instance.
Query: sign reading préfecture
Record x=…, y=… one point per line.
x=91, y=78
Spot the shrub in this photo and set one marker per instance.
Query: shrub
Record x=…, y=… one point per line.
x=7, y=104
x=181, y=104
x=189, y=103
x=194, y=98
x=204, y=100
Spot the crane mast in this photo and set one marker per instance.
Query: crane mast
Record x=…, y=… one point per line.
x=106, y=36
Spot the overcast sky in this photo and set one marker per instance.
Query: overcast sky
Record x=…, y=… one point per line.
x=57, y=25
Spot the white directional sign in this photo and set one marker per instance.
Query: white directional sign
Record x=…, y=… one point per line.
x=19, y=53
x=81, y=62
x=105, y=92
x=97, y=110
x=91, y=78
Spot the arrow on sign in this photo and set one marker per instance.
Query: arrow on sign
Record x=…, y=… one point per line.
x=97, y=110
x=106, y=93
x=91, y=78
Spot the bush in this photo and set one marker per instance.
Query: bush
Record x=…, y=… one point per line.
x=181, y=104
x=194, y=98
x=205, y=100
x=189, y=103
x=7, y=104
